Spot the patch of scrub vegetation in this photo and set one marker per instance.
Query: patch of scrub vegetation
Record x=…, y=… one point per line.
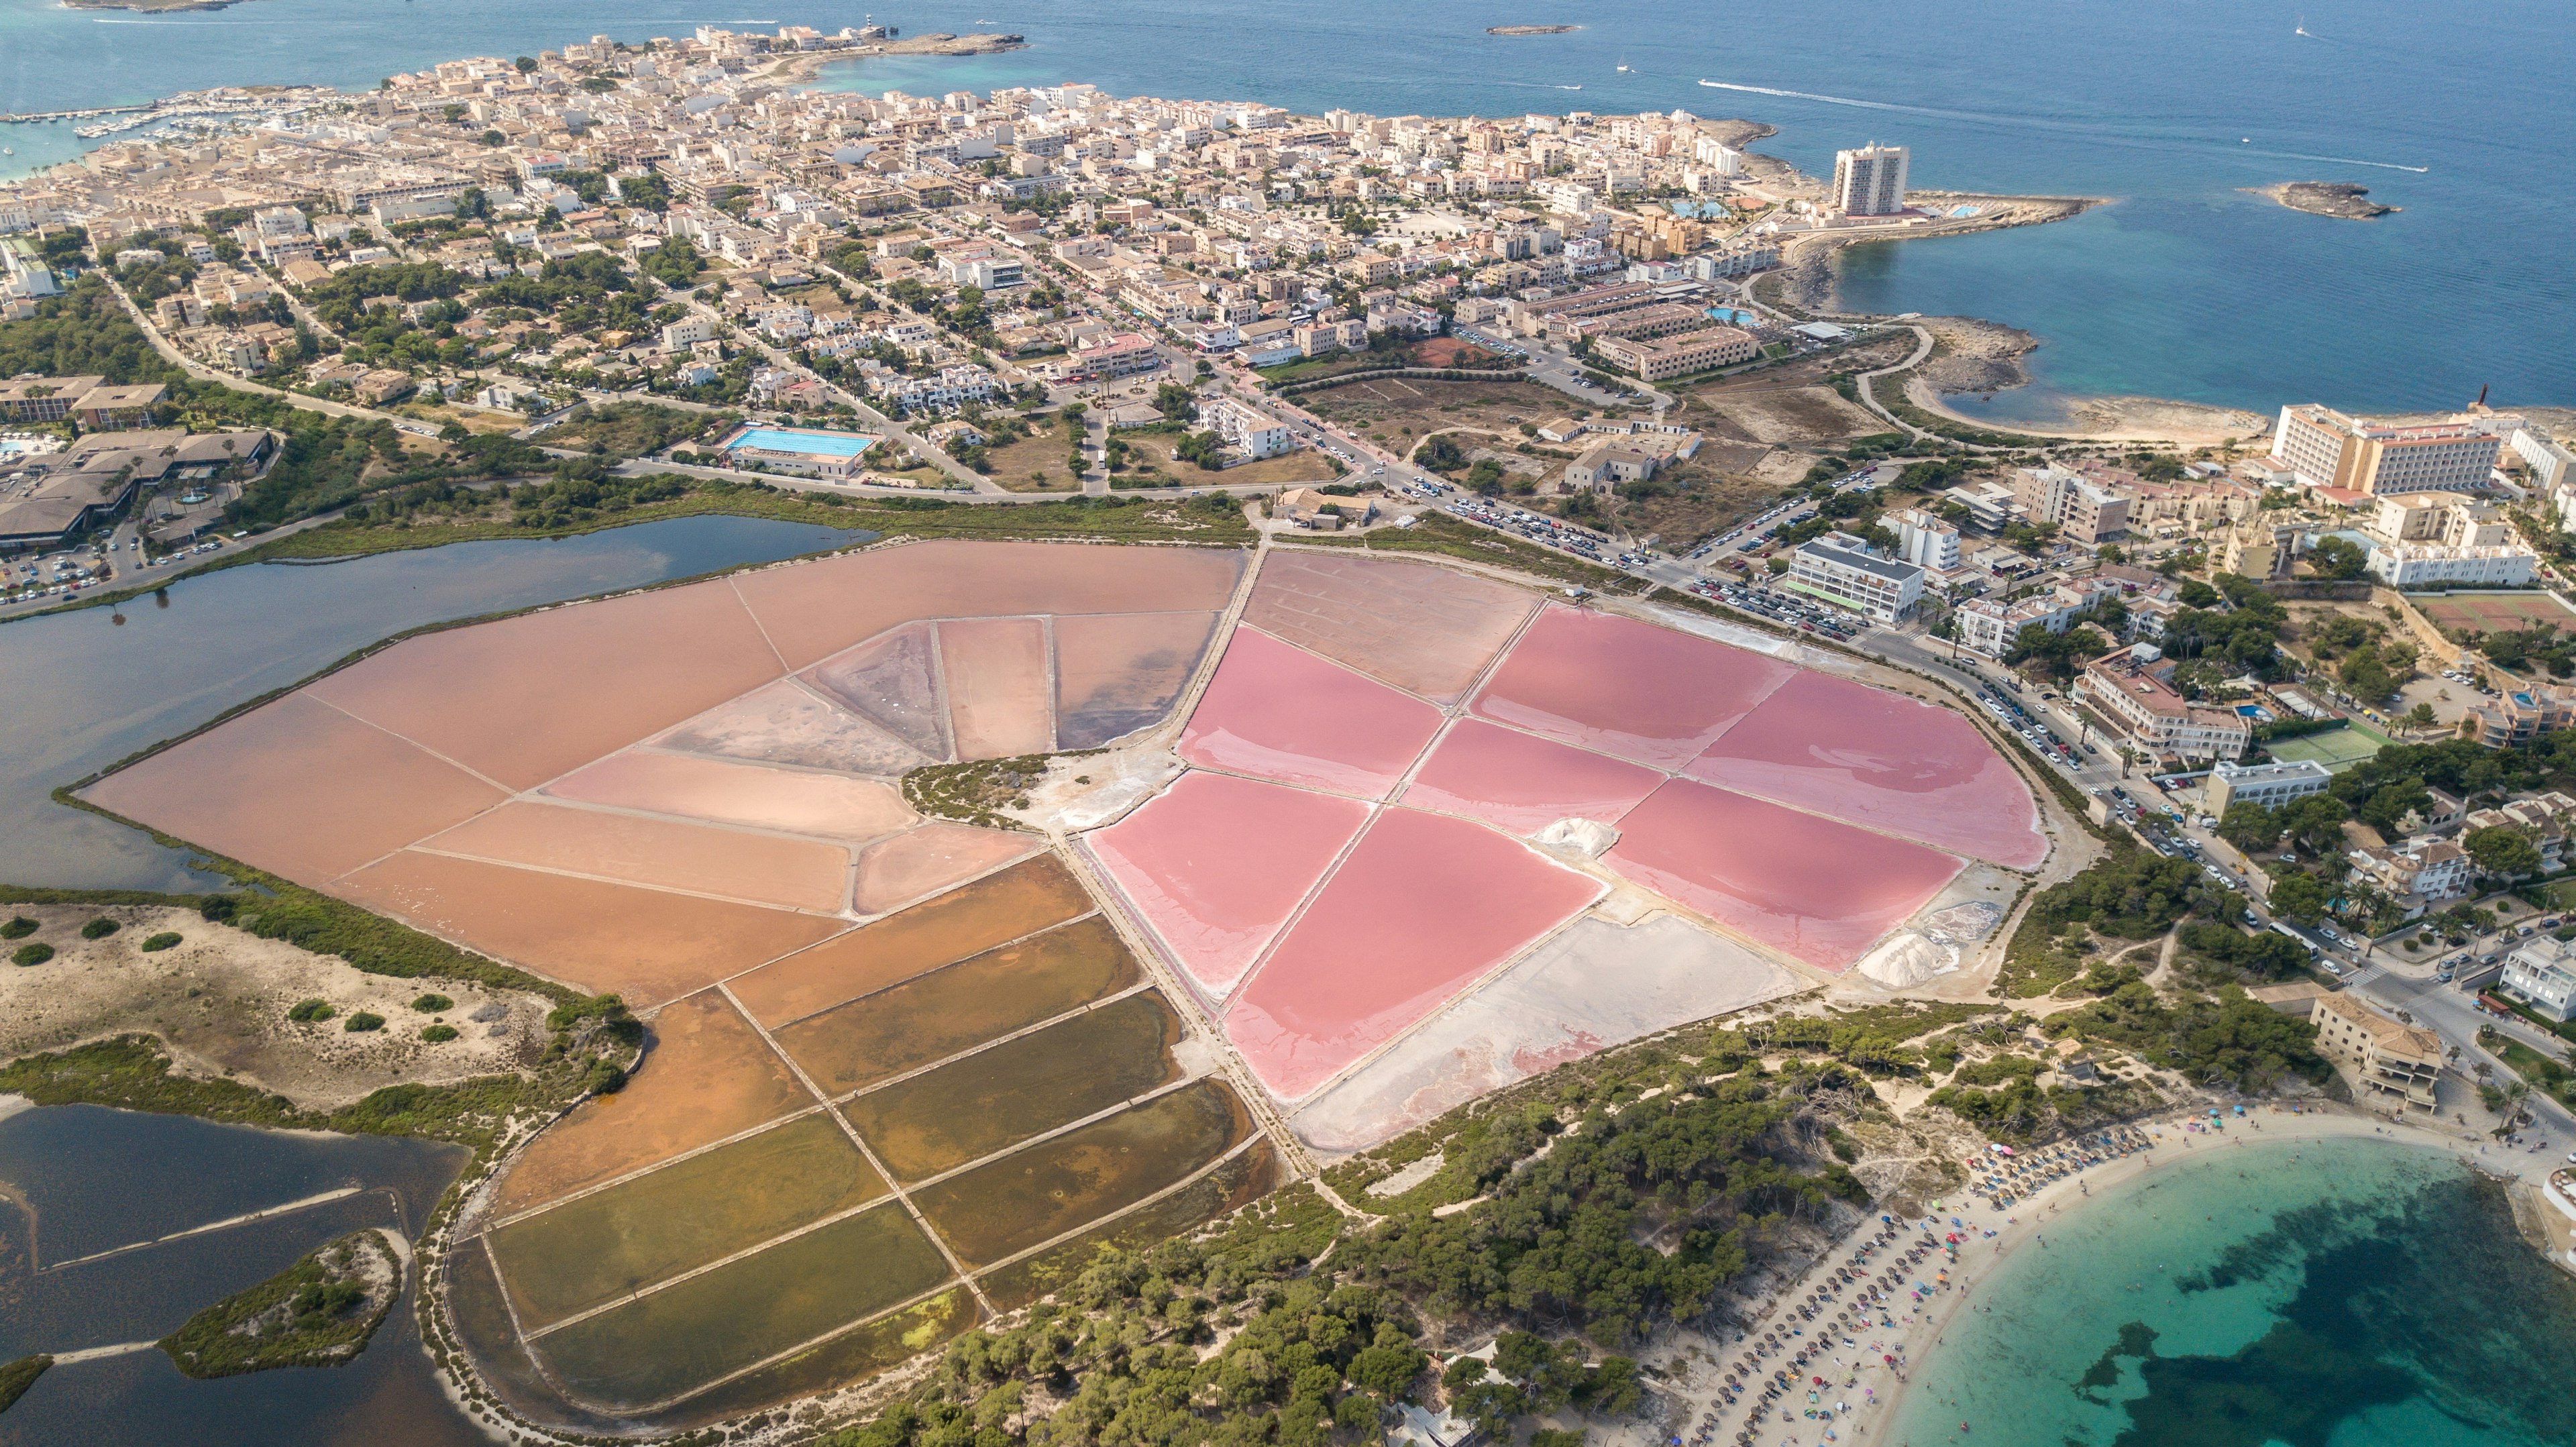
x=2135, y=894
x=35, y=954
x=18, y=928
x=978, y=792
x=319, y=1312
x=98, y=929
x=16, y=1377
x=165, y=940
x=364, y=1021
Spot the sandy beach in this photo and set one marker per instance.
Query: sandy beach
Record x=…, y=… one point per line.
x=1863, y=1387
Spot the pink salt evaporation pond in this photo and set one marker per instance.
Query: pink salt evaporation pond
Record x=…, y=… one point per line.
x=1001, y=703
x=1422, y=905
x=704, y=859
x=1418, y=626
x=784, y=723
x=1116, y=673
x=1524, y=784
x=1632, y=689
x=791, y=800
x=1594, y=986
x=1282, y=713
x=1884, y=760
x=1217, y=864
x=1814, y=889
x=929, y=859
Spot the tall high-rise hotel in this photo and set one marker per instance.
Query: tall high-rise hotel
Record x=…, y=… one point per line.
x=1870, y=181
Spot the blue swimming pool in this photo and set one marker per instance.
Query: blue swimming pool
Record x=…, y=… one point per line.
x=789, y=439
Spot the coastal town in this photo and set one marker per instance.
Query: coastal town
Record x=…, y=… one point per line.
x=2292, y=697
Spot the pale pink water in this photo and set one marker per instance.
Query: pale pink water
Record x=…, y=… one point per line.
x=1423, y=905
x=806, y=874
x=1626, y=688
x=1884, y=760
x=787, y=723
x=815, y=609
x=1820, y=891
x=523, y=700
x=929, y=859
x=1524, y=784
x=1217, y=864
x=298, y=787
x=1282, y=713
x=1418, y=626
x=1001, y=702
x=792, y=800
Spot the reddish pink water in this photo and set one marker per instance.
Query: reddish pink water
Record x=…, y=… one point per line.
x=1626, y=688
x=1422, y=907
x=295, y=786
x=1524, y=784
x=1812, y=888
x=1283, y=713
x=1218, y=863
x=1884, y=760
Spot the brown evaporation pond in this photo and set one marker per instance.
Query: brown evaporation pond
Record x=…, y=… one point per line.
x=1120, y=672
x=924, y=861
x=890, y=682
x=593, y=1249
x=646, y=945
x=1020, y=900
x=1414, y=625
x=961, y=1006
x=791, y=800
x=1054, y=1186
x=851, y=1356
x=706, y=1075
x=1000, y=699
x=526, y=699
x=759, y=868
x=296, y=787
x=784, y=723
x=1231, y=1186
x=697, y=1330
x=1008, y=1093
x=813, y=610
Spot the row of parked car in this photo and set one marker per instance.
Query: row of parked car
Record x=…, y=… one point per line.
x=1782, y=608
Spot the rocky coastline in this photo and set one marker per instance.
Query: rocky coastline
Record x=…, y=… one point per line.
x=2341, y=200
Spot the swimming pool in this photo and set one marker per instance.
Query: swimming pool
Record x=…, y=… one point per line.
x=815, y=444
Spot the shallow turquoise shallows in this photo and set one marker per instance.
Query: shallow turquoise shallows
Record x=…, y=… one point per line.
x=2349, y=1293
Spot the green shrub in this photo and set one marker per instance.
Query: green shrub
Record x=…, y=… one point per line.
x=307, y=1011
x=161, y=941
x=438, y=1034
x=18, y=928
x=99, y=928
x=219, y=907
x=433, y=1004
x=35, y=954
x=364, y=1021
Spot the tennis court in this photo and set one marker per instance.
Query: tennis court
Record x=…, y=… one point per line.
x=2459, y=614
x=2337, y=749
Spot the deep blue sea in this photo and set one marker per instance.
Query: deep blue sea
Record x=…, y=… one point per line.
x=2186, y=287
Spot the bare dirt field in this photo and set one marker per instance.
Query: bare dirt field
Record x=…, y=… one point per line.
x=1017, y=465
x=1154, y=450
x=472, y=419
x=1399, y=411
x=1780, y=415
x=219, y=999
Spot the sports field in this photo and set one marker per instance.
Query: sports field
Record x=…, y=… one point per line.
x=2337, y=749
x=2459, y=614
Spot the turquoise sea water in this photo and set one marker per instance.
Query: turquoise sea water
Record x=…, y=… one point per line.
x=2351, y=1293
x=2186, y=287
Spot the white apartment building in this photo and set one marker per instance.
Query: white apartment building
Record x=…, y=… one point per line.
x=1923, y=540
x=2552, y=466
x=1839, y=569
x=2425, y=565
x=2326, y=448
x=2084, y=511
x=2135, y=691
x=2270, y=785
x=1990, y=625
x=2542, y=975
x=2421, y=872
x=2445, y=518
x=1870, y=181
x=1255, y=432
x=952, y=387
